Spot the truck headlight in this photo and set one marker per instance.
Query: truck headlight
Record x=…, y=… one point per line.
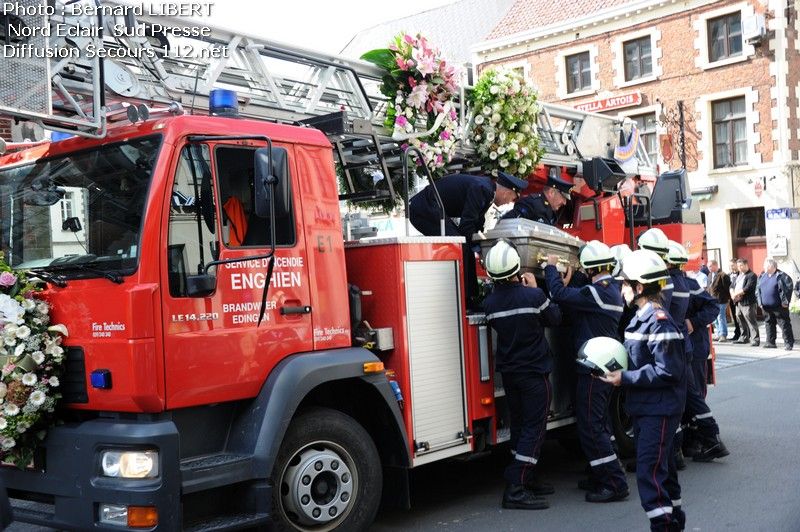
x=129, y=464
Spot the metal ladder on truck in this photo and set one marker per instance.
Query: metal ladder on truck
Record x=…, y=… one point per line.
x=274, y=81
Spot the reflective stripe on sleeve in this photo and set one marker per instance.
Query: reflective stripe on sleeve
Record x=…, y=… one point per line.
x=680, y=294
x=669, y=286
x=654, y=337
x=518, y=311
x=526, y=459
x=601, y=304
x=676, y=502
x=604, y=460
x=659, y=511
x=704, y=416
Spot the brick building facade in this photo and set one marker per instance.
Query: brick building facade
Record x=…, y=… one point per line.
x=739, y=88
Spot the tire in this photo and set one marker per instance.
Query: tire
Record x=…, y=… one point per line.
x=621, y=424
x=327, y=474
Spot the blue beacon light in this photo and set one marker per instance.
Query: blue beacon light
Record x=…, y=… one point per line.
x=101, y=379
x=223, y=102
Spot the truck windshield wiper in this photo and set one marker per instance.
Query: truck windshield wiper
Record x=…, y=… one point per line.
x=114, y=277
x=48, y=278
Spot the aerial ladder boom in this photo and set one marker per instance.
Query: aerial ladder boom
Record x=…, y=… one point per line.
x=146, y=68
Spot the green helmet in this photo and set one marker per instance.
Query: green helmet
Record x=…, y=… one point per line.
x=602, y=355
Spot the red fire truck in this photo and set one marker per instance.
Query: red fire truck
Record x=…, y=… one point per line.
x=232, y=360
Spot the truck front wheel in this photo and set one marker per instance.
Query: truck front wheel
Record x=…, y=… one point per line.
x=327, y=474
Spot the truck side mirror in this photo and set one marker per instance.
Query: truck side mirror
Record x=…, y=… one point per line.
x=200, y=285
x=265, y=182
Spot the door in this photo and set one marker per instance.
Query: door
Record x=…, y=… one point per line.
x=214, y=349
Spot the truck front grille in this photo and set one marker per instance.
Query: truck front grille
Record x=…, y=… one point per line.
x=73, y=381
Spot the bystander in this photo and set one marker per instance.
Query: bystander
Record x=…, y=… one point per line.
x=774, y=293
x=719, y=285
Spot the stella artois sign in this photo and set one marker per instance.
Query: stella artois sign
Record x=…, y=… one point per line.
x=613, y=102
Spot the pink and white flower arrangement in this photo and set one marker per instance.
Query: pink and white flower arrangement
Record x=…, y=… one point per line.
x=31, y=358
x=420, y=86
x=505, y=111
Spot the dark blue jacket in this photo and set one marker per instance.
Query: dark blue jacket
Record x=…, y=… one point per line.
x=464, y=196
x=657, y=364
x=703, y=310
x=774, y=291
x=533, y=207
x=676, y=300
x=518, y=314
x=595, y=308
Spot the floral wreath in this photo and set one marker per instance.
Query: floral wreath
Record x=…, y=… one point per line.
x=420, y=86
x=505, y=110
x=31, y=358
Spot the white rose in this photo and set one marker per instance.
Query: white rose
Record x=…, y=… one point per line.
x=3, y=423
x=42, y=308
x=53, y=381
x=28, y=305
x=501, y=150
x=29, y=379
x=486, y=110
x=479, y=119
x=495, y=118
x=11, y=409
x=38, y=357
x=7, y=443
x=494, y=89
x=19, y=350
x=23, y=332
x=493, y=155
x=10, y=341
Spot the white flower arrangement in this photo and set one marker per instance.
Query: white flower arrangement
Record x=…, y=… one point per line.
x=31, y=358
x=505, y=110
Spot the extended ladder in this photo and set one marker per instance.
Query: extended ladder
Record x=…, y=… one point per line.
x=273, y=81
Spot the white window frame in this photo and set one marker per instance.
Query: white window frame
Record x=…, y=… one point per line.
x=701, y=42
x=525, y=65
x=705, y=127
x=618, y=61
x=561, y=72
x=67, y=206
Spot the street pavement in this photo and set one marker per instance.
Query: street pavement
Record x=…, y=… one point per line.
x=756, y=488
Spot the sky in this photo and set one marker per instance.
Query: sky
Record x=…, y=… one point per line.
x=325, y=26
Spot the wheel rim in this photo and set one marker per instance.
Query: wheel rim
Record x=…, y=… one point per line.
x=318, y=486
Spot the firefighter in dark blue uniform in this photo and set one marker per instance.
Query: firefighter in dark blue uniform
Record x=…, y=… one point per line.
x=702, y=443
x=518, y=311
x=596, y=310
x=466, y=197
x=656, y=382
x=543, y=206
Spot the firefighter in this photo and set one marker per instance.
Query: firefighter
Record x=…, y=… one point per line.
x=596, y=309
x=543, y=206
x=701, y=432
x=466, y=197
x=656, y=384
x=518, y=311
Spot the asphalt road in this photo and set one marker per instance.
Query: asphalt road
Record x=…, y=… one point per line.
x=756, y=488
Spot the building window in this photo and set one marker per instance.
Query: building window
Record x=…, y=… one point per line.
x=579, y=72
x=724, y=37
x=67, y=206
x=646, y=124
x=730, y=132
x=638, y=59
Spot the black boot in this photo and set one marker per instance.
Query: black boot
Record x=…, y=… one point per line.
x=518, y=498
x=539, y=488
x=712, y=448
x=692, y=448
x=606, y=495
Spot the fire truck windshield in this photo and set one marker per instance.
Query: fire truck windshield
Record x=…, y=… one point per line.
x=84, y=209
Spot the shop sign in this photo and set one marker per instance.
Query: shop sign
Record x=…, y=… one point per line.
x=785, y=213
x=614, y=102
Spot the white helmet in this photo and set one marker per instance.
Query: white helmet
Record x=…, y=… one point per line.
x=602, y=355
x=502, y=260
x=595, y=254
x=643, y=266
x=654, y=239
x=620, y=251
x=677, y=254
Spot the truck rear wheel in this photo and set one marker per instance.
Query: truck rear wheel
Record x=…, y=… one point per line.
x=327, y=474
x=621, y=424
